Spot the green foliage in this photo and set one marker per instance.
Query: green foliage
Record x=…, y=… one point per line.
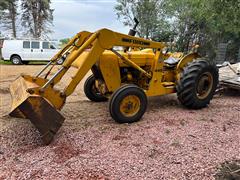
x=226, y=16
x=64, y=41
x=36, y=16
x=8, y=15
x=207, y=22
x=3, y=5
x=187, y=22
x=151, y=23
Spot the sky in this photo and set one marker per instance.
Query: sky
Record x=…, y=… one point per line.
x=73, y=16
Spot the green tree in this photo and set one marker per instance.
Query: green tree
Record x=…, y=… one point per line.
x=227, y=25
x=207, y=22
x=187, y=22
x=64, y=41
x=37, y=17
x=8, y=15
x=151, y=23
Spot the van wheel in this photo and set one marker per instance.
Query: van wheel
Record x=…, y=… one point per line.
x=16, y=60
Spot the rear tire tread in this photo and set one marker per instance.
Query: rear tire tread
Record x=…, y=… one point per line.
x=186, y=88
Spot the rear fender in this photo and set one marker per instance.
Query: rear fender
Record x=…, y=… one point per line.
x=184, y=61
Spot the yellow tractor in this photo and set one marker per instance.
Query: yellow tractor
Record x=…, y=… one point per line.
x=124, y=77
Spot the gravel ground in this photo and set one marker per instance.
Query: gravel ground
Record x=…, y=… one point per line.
x=170, y=142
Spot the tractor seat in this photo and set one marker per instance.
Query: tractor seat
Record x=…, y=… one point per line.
x=171, y=61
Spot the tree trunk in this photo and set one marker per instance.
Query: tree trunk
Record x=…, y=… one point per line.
x=12, y=11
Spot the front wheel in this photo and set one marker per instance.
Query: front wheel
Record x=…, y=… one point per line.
x=128, y=104
x=197, y=84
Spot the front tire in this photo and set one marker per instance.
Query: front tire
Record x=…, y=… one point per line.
x=16, y=60
x=197, y=84
x=128, y=104
x=91, y=91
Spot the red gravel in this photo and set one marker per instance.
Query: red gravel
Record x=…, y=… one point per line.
x=170, y=142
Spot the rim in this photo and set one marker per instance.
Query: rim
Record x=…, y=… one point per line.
x=205, y=85
x=130, y=105
x=95, y=90
x=15, y=61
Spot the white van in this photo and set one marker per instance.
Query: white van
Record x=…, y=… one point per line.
x=23, y=51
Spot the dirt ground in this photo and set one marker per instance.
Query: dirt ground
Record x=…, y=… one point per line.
x=170, y=142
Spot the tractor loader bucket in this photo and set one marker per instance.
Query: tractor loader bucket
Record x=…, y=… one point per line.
x=38, y=109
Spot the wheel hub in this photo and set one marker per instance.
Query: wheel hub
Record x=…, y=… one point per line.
x=205, y=85
x=15, y=61
x=130, y=105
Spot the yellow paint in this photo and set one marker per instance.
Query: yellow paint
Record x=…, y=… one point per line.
x=86, y=49
x=110, y=71
x=130, y=105
x=185, y=60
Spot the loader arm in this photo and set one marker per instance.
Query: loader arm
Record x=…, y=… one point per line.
x=35, y=98
x=99, y=41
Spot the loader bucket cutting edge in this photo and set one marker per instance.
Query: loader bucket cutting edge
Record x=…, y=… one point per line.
x=36, y=108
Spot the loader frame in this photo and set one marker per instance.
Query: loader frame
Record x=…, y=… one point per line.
x=35, y=97
x=96, y=43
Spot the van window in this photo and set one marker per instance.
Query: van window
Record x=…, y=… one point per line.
x=45, y=45
x=52, y=46
x=26, y=44
x=35, y=45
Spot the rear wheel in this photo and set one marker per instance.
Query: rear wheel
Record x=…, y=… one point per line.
x=91, y=91
x=197, y=84
x=128, y=104
x=16, y=60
